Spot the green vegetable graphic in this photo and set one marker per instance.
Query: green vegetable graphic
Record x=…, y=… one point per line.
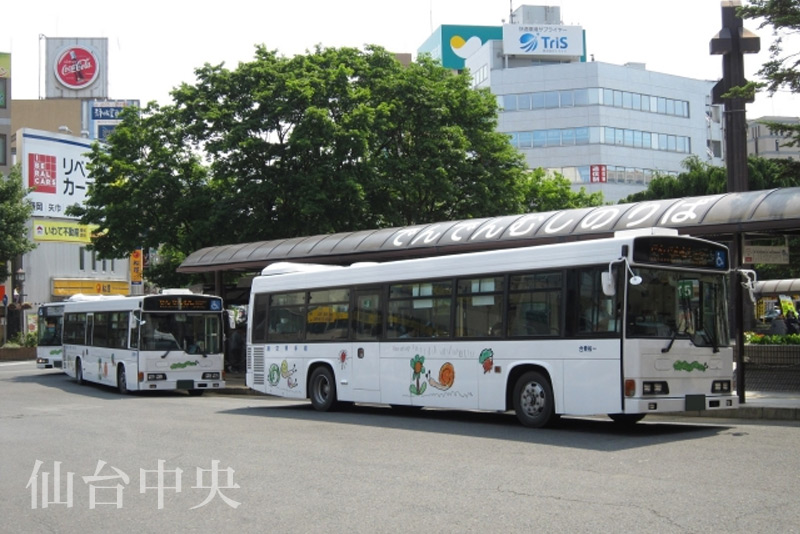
x=682, y=365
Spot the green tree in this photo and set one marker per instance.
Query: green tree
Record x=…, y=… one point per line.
x=782, y=70
x=550, y=193
x=701, y=178
x=341, y=140
x=14, y=215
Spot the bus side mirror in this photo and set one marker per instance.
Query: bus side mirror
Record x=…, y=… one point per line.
x=609, y=287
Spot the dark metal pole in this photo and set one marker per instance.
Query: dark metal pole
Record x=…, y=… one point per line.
x=732, y=42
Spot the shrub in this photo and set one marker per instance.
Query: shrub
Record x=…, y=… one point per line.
x=25, y=339
x=753, y=338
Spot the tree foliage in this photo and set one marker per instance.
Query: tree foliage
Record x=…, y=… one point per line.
x=14, y=215
x=342, y=140
x=553, y=192
x=701, y=178
x=782, y=70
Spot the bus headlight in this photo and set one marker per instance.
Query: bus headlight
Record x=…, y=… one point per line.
x=211, y=376
x=721, y=386
x=156, y=376
x=655, y=388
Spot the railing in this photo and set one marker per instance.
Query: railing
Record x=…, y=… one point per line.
x=772, y=367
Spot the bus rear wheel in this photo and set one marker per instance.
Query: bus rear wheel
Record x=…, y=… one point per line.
x=533, y=400
x=322, y=389
x=78, y=371
x=122, y=381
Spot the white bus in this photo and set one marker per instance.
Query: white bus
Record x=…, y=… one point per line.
x=624, y=326
x=49, y=349
x=151, y=342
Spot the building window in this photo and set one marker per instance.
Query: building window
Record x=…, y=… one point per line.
x=594, y=96
x=3, y=150
x=82, y=258
x=3, y=93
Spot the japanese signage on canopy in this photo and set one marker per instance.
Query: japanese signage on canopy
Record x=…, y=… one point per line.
x=543, y=40
x=54, y=167
x=78, y=68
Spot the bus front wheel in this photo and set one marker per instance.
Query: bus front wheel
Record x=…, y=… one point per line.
x=533, y=400
x=322, y=389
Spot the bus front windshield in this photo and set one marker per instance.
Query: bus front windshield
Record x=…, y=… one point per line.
x=49, y=331
x=670, y=304
x=195, y=333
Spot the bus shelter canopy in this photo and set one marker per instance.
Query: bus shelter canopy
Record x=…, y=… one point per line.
x=713, y=216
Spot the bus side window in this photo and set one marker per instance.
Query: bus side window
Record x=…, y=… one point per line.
x=367, y=315
x=259, y=318
x=534, y=304
x=479, y=308
x=596, y=312
x=287, y=316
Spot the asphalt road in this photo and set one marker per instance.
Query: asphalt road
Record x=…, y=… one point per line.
x=227, y=463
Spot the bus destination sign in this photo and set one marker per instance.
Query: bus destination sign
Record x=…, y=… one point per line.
x=680, y=252
x=182, y=303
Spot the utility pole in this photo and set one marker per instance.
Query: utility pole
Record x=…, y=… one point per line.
x=732, y=42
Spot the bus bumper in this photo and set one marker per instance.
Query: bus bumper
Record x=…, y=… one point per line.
x=689, y=403
x=185, y=384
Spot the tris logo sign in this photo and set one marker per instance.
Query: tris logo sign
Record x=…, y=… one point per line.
x=76, y=67
x=529, y=42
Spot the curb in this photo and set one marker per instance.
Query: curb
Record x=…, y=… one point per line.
x=750, y=412
x=768, y=413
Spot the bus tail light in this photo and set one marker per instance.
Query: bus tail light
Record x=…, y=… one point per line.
x=211, y=376
x=630, y=387
x=156, y=376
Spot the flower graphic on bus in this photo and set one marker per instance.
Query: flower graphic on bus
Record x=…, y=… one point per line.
x=418, y=367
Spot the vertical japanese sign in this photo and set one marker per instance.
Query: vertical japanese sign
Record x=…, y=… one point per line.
x=55, y=167
x=599, y=174
x=137, y=265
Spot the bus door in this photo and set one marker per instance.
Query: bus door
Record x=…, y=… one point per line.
x=86, y=368
x=367, y=324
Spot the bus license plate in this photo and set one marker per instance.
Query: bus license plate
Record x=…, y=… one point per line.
x=185, y=384
x=695, y=402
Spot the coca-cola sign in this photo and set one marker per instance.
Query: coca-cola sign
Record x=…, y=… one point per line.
x=76, y=67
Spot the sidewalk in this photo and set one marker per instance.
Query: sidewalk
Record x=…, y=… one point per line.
x=766, y=405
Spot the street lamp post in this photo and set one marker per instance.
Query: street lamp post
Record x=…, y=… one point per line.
x=21, y=281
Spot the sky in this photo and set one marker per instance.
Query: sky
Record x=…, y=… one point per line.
x=154, y=46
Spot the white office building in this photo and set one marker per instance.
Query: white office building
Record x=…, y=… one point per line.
x=605, y=127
